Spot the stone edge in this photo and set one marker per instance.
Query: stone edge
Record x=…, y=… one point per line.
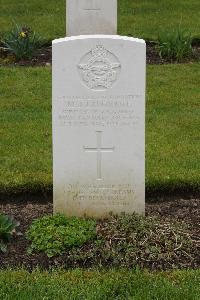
x=98, y=36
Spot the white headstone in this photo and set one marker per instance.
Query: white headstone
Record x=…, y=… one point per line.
x=91, y=17
x=99, y=125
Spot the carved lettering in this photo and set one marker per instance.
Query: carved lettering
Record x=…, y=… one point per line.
x=103, y=195
x=104, y=112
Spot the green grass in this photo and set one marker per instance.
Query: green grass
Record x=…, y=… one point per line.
x=100, y=285
x=25, y=128
x=173, y=121
x=147, y=18
x=46, y=17
x=172, y=139
x=138, y=18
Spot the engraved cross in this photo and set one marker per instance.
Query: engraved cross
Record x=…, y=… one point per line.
x=99, y=150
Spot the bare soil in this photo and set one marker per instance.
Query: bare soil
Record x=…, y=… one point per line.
x=44, y=57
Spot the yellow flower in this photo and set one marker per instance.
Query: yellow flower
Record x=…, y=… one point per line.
x=22, y=34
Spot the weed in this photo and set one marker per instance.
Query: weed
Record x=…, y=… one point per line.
x=175, y=44
x=7, y=229
x=54, y=234
x=133, y=240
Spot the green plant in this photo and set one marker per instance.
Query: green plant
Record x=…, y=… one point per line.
x=175, y=44
x=22, y=42
x=55, y=234
x=7, y=229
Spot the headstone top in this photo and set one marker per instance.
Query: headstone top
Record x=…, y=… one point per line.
x=91, y=17
x=98, y=36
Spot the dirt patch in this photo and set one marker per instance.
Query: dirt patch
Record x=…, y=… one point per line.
x=187, y=210
x=44, y=57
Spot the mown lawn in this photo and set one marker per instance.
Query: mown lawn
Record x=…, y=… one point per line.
x=99, y=285
x=172, y=129
x=138, y=18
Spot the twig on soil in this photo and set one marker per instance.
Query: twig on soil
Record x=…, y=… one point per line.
x=178, y=247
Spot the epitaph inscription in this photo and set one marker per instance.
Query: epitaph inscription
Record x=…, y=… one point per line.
x=102, y=194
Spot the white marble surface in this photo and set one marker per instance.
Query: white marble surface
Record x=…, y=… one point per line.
x=99, y=125
x=91, y=17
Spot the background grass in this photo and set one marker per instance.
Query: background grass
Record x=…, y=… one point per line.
x=135, y=17
x=173, y=122
x=172, y=139
x=25, y=129
x=98, y=285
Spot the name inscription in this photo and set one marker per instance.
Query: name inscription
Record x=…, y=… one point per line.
x=102, y=111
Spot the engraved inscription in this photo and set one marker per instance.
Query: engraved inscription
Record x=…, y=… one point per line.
x=92, y=9
x=113, y=111
x=102, y=194
x=99, y=150
x=99, y=68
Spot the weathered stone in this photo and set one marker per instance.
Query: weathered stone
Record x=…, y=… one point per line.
x=91, y=17
x=99, y=125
